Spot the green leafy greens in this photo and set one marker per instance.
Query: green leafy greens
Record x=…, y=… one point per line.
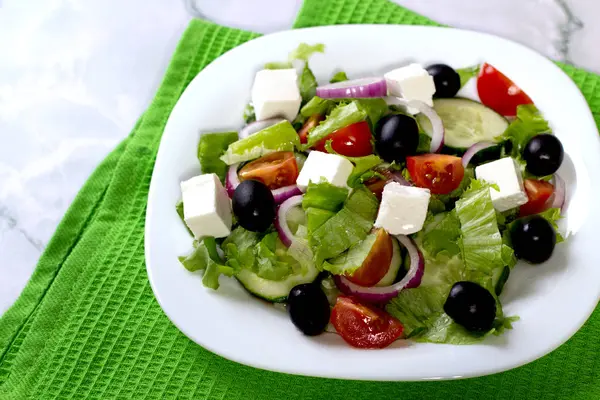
x=211, y=147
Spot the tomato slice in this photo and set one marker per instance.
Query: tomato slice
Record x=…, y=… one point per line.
x=310, y=123
x=364, y=326
x=274, y=170
x=352, y=141
x=439, y=173
x=538, y=193
x=376, y=184
x=377, y=262
x=498, y=92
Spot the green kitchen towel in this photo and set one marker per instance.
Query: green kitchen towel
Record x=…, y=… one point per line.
x=88, y=326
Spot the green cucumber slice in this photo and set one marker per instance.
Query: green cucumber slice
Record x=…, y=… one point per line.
x=274, y=291
x=466, y=122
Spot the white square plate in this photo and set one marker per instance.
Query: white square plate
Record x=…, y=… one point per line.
x=553, y=299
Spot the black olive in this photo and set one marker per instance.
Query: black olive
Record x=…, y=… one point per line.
x=544, y=154
x=533, y=239
x=396, y=136
x=308, y=308
x=446, y=79
x=471, y=306
x=253, y=205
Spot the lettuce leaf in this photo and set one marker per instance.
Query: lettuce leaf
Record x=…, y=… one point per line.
x=325, y=196
x=481, y=241
x=339, y=77
x=362, y=166
x=304, y=51
x=552, y=215
x=317, y=105
x=341, y=116
x=211, y=147
x=279, y=137
x=346, y=228
x=179, y=209
x=307, y=84
x=249, y=114
x=529, y=123
x=352, y=259
x=204, y=256
x=466, y=74
x=440, y=233
x=375, y=109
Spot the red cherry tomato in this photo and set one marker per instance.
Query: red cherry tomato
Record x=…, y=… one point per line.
x=498, y=92
x=310, y=123
x=377, y=262
x=538, y=193
x=364, y=326
x=275, y=170
x=439, y=173
x=351, y=141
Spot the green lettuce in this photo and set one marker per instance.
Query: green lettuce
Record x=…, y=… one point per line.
x=211, y=147
x=481, y=240
x=346, y=228
x=529, y=123
x=351, y=260
x=466, y=74
x=307, y=84
x=325, y=196
x=279, y=137
x=341, y=116
x=362, y=166
x=249, y=114
x=205, y=257
x=317, y=105
x=339, y=77
x=440, y=233
x=179, y=209
x=374, y=108
x=304, y=51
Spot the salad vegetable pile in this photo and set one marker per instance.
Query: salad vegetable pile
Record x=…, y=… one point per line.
x=378, y=208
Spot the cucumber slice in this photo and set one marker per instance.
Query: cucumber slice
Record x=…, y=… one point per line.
x=274, y=291
x=466, y=122
x=389, y=278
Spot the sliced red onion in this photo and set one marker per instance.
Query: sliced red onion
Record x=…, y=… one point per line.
x=356, y=88
x=283, y=193
x=285, y=234
x=382, y=294
x=471, y=151
x=232, y=180
x=398, y=178
x=437, y=136
x=560, y=193
x=256, y=126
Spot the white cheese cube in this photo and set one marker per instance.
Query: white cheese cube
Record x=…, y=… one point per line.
x=403, y=209
x=506, y=174
x=331, y=167
x=275, y=94
x=411, y=82
x=206, y=206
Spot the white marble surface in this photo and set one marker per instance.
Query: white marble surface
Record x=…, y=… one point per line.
x=76, y=74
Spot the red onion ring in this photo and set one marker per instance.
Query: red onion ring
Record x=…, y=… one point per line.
x=557, y=200
x=474, y=149
x=437, y=136
x=356, y=88
x=232, y=180
x=283, y=193
x=382, y=294
x=283, y=230
x=256, y=126
x=398, y=178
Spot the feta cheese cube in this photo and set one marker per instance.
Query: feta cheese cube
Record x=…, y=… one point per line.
x=506, y=174
x=206, y=206
x=275, y=94
x=403, y=209
x=411, y=82
x=331, y=167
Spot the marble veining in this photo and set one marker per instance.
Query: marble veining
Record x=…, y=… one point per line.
x=75, y=75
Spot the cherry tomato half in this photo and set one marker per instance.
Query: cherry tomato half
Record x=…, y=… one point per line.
x=377, y=262
x=274, y=170
x=376, y=184
x=538, y=193
x=352, y=141
x=364, y=326
x=439, y=173
x=498, y=92
x=310, y=123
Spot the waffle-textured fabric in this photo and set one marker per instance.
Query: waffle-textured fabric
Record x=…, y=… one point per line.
x=88, y=326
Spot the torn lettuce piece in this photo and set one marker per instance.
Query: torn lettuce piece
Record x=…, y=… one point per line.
x=339, y=77
x=351, y=260
x=374, y=108
x=249, y=115
x=346, y=228
x=325, y=196
x=304, y=51
x=529, y=123
x=279, y=137
x=440, y=233
x=340, y=117
x=466, y=74
x=179, y=209
x=211, y=147
x=204, y=256
x=362, y=165
x=307, y=84
x=317, y=105
x=552, y=215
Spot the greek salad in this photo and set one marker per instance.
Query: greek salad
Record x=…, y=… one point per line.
x=378, y=208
